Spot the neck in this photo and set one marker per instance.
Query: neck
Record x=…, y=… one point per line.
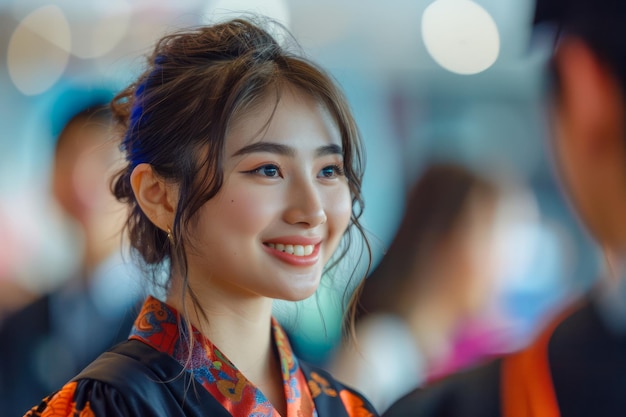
x=94, y=256
x=433, y=324
x=102, y=237
x=240, y=327
x=226, y=318
x=432, y=309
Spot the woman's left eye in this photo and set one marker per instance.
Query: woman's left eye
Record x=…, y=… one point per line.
x=331, y=171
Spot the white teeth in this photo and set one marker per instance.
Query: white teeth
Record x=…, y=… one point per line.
x=297, y=250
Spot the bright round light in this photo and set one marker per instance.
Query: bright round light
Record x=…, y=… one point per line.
x=98, y=27
x=460, y=36
x=221, y=10
x=38, y=50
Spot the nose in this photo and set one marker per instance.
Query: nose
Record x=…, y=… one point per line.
x=305, y=205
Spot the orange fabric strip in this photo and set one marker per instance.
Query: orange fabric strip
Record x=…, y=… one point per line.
x=527, y=389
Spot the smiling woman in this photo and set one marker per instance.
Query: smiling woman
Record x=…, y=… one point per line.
x=280, y=187
x=243, y=176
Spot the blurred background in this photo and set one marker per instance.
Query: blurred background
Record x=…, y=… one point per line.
x=453, y=80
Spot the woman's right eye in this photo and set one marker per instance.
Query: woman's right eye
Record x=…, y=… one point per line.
x=269, y=170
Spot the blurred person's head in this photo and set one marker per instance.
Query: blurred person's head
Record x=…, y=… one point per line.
x=84, y=160
x=441, y=252
x=589, y=68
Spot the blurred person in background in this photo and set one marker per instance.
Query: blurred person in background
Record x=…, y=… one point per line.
x=577, y=365
x=435, y=276
x=46, y=342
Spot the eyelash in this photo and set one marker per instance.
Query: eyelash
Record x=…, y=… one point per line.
x=258, y=170
x=338, y=171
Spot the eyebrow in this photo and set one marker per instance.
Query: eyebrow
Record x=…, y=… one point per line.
x=285, y=150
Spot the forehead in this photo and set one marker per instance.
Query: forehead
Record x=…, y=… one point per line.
x=292, y=116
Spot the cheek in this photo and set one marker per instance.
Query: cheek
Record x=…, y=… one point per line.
x=235, y=212
x=339, y=209
x=572, y=174
x=564, y=152
x=563, y=159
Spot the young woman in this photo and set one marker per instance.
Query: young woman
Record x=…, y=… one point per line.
x=243, y=176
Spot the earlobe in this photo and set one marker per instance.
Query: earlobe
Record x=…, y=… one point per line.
x=154, y=196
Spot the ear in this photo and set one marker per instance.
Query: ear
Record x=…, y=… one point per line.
x=590, y=95
x=156, y=198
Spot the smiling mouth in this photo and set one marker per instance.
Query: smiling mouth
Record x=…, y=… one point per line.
x=296, y=250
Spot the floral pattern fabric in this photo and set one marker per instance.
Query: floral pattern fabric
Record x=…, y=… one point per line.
x=308, y=391
x=158, y=326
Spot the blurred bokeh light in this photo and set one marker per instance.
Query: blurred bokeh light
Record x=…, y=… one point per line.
x=220, y=10
x=461, y=36
x=39, y=50
x=98, y=26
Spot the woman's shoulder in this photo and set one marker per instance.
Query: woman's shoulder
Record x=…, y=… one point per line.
x=130, y=379
x=85, y=398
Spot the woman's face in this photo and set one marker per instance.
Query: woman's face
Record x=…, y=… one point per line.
x=283, y=207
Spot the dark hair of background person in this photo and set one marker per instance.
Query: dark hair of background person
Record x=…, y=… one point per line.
x=176, y=117
x=595, y=22
x=433, y=212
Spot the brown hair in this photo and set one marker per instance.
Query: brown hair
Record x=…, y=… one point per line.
x=434, y=210
x=176, y=116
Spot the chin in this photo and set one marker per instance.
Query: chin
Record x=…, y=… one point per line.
x=297, y=287
x=297, y=294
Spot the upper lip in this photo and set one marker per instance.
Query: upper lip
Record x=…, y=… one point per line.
x=294, y=240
